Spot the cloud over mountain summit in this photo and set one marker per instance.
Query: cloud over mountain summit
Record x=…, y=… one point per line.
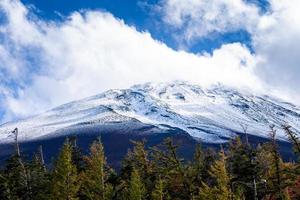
x=44, y=63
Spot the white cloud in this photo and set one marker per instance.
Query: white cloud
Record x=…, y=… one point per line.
x=275, y=34
x=44, y=64
x=194, y=19
x=277, y=42
x=56, y=62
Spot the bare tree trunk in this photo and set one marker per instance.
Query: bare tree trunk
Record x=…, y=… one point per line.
x=24, y=170
x=42, y=157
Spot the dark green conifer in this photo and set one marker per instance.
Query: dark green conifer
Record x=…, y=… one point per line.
x=244, y=167
x=94, y=178
x=77, y=155
x=158, y=191
x=220, y=189
x=173, y=170
x=136, y=189
x=39, y=179
x=64, y=183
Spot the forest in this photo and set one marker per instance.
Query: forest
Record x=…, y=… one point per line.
x=238, y=171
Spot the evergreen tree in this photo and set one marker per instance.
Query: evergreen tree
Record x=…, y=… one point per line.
x=198, y=166
x=206, y=193
x=77, y=157
x=173, y=170
x=278, y=179
x=5, y=192
x=16, y=183
x=39, y=179
x=136, y=190
x=65, y=184
x=294, y=139
x=219, y=173
x=244, y=167
x=17, y=174
x=157, y=173
x=209, y=158
x=198, y=163
x=197, y=170
x=221, y=189
x=138, y=158
x=158, y=192
x=265, y=158
x=94, y=178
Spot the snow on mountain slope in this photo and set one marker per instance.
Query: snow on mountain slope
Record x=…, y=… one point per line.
x=212, y=115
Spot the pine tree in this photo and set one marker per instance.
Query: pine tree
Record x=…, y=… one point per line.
x=209, y=158
x=173, y=170
x=94, y=178
x=158, y=192
x=5, y=191
x=277, y=178
x=294, y=139
x=17, y=174
x=219, y=172
x=198, y=165
x=205, y=193
x=15, y=183
x=221, y=187
x=16, y=178
x=138, y=158
x=39, y=179
x=77, y=157
x=136, y=190
x=244, y=167
x=65, y=184
x=157, y=173
x=195, y=171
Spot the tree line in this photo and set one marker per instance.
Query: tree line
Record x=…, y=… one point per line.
x=239, y=172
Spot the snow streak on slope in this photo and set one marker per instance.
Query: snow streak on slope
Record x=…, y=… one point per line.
x=212, y=115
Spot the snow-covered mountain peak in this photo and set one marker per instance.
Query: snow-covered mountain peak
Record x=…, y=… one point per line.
x=212, y=114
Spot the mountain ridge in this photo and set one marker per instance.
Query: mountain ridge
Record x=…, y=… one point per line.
x=213, y=115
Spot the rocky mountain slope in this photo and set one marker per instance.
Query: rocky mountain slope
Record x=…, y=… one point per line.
x=211, y=115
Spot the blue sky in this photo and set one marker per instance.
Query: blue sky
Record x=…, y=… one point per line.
x=55, y=51
x=140, y=14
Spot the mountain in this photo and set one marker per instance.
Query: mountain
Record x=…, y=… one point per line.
x=210, y=115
